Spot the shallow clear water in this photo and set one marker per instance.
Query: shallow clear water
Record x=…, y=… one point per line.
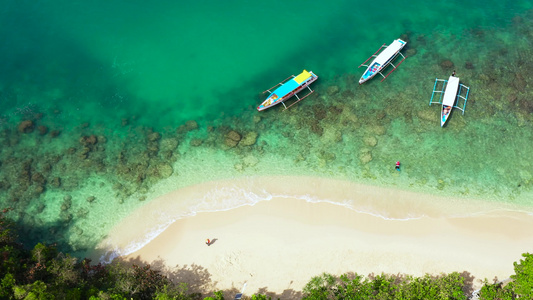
x=124, y=70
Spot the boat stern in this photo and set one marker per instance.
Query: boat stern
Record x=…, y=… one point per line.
x=445, y=113
x=370, y=72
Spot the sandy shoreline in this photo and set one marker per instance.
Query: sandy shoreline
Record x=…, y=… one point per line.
x=278, y=245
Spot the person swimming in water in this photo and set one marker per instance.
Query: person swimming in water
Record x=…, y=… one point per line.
x=397, y=166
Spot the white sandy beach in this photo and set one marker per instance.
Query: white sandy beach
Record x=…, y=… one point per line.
x=279, y=244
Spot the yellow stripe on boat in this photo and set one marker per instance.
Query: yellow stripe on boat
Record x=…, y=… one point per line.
x=302, y=77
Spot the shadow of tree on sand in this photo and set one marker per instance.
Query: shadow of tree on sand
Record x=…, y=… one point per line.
x=198, y=280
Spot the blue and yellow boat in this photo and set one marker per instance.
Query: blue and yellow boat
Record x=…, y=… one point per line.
x=287, y=88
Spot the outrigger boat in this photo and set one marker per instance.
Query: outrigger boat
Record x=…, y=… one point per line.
x=382, y=60
x=289, y=87
x=451, y=92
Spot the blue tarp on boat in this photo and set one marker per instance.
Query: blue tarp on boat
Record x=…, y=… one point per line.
x=286, y=88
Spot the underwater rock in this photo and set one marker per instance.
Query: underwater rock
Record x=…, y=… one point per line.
x=370, y=141
x=257, y=119
x=519, y=82
x=154, y=136
x=152, y=149
x=365, y=156
x=191, y=125
x=327, y=156
x=88, y=140
x=65, y=216
x=65, y=206
x=91, y=199
x=441, y=184
x=331, y=135
x=169, y=144
x=378, y=129
x=410, y=52
x=446, y=64
x=78, y=230
x=250, y=161
x=40, y=208
x=526, y=105
x=196, y=142
x=39, y=189
x=85, y=125
x=232, y=138
x=56, y=182
x=4, y=185
x=38, y=178
x=55, y=133
x=336, y=109
x=469, y=65
x=249, y=139
x=332, y=90
x=511, y=97
x=165, y=170
x=316, y=128
x=405, y=36
x=427, y=115
x=320, y=112
x=188, y=126
x=42, y=129
x=26, y=126
x=47, y=167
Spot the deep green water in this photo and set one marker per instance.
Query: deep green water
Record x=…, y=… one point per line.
x=133, y=74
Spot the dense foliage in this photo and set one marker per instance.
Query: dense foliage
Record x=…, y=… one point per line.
x=44, y=273
x=384, y=286
x=520, y=285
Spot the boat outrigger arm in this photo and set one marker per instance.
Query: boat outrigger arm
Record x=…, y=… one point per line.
x=383, y=60
x=287, y=88
x=451, y=95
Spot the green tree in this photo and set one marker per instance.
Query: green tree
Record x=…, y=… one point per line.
x=219, y=295
x=320, y=287
x=260, y=297
x=6, y=286
x=522, y=284
x=494, y=291
x=356, y=288
x=34, y=291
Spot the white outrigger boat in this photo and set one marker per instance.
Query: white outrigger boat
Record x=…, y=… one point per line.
x=289, y=87
x=382, y=60
x=451, y=92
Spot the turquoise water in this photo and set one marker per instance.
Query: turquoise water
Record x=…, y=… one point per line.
x=161, y=85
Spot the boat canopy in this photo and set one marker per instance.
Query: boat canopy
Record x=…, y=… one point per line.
x=302, y=77
x=450, y=93
x=292, y=84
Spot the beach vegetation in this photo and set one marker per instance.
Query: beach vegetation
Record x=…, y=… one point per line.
x=520, y=284
x=260, y=297
x=218, y=295
x=522, y=280
x=385, y=286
